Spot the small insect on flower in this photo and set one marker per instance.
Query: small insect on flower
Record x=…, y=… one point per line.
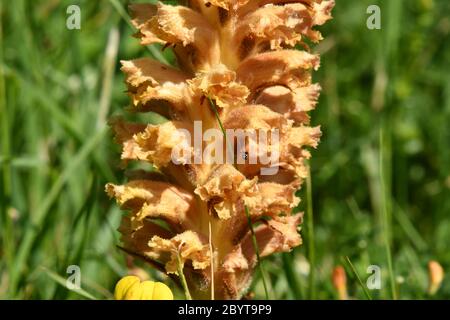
x=131, y=288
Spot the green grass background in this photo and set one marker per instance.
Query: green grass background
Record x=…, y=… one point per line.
x=380, y=188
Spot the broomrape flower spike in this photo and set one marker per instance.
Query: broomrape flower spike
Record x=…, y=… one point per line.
x=131, y=288
x=237, y=56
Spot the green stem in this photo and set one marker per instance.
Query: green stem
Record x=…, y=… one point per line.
x=311, y=245
x=258, y=259
x=386, y=216
x=288, y=266
x=211, y=253
x=182, y=278
x=358, y=278
x=216, y=113
x=7, y=237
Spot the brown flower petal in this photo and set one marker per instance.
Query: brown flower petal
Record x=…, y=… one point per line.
x=273, y=236
x=272, y=199
x=150, y=80
x=225, y=187
x=276, y=27
x=198, y=41
x=293, y=104
x=156, y=142
x=219, y=84
x=284, y=67
x=137, y=240
x=186, y=245
x=151, y=199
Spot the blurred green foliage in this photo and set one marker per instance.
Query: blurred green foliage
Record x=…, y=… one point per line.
x=380, y=177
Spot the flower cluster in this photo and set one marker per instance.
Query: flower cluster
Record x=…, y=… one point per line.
x=237, y=68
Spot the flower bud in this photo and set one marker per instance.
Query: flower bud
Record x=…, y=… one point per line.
x=435, y=276
x=340, y=282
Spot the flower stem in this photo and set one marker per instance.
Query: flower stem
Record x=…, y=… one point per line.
x=386, y=208
x=211, y=252
x=182, y=278
x=311, y=245
x=258, y=260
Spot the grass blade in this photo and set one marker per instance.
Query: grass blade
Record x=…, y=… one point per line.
x=311, y=244
x=62, y=281
x=288, y=267
x=386, y=214
x=358, y=278
x=33, y=228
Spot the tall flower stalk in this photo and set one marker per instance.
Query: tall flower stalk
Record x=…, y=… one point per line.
x=238, y=55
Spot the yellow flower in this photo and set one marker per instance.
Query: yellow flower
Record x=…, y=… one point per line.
x=131, y=288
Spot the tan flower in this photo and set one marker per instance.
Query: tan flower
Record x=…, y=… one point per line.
x=435, y=276
x=236, y=62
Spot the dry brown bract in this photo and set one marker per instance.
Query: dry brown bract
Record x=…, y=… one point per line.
x=238, y=54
